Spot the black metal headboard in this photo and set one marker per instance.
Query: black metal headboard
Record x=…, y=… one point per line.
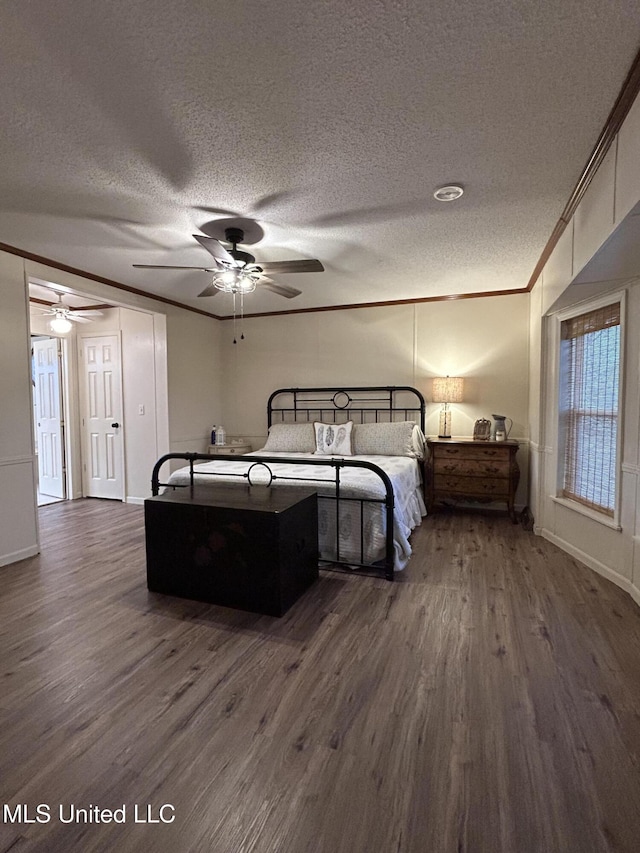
x=376, y=404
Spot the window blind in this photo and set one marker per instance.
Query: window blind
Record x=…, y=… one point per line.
x=589, y=379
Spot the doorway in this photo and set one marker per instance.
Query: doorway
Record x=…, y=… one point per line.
x=111, y=436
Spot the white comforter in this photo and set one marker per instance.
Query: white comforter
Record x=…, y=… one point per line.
x=403, y=471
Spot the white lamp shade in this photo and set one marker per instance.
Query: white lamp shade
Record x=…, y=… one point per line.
x=448, y=389
x=60, y=325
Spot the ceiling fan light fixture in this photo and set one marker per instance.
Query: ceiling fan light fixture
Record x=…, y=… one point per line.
x=247, y=283
x=234, y=281
x=60, y=324
x=448, y=193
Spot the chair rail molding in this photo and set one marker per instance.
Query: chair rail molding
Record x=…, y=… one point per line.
x=18, y=460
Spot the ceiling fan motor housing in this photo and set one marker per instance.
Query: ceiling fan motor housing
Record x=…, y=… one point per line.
x=234, y=235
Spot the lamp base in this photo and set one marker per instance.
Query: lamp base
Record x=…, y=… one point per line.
x=444, y=426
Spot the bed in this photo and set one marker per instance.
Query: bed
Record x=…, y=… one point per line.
x=360, y=448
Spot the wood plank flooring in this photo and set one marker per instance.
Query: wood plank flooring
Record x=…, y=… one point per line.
x=487, y=701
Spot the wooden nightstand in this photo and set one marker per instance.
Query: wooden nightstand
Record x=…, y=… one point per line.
x=458, y=468
x=222, y=449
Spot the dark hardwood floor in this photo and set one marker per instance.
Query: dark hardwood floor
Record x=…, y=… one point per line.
x=487, y=701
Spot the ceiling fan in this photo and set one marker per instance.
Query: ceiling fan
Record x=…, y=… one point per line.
x=237, y=272
x=63, y=314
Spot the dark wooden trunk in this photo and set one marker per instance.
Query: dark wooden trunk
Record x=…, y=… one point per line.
x=251, y=548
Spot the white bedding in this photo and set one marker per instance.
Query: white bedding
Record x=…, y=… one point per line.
x=403, y=471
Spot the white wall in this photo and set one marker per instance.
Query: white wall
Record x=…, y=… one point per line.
x=139, y=401
x=195, y=379
x=484, y=339
x=18, y=520
x=537, y=392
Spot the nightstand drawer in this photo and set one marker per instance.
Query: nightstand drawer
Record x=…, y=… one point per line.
x=470, y=452
x=471, y=486
x=472, y=467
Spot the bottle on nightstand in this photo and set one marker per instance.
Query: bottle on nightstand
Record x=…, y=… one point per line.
x=213, y=434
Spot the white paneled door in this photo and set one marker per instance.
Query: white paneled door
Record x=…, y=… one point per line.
x=46, y=376
x=101, y=413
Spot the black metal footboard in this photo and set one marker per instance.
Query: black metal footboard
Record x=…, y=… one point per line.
x=262, y=463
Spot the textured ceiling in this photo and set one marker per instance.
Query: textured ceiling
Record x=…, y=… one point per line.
x=129, y=126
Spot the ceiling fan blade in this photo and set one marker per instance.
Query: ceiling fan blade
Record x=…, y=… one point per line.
x=215, y=248
x=164, y=267
x=76, y=319
x=219, y=211
x=210, y=290
x=277, y=267
x=82, y=313
x=280, y=289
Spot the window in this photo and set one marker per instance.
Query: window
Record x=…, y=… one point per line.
x=588, y=407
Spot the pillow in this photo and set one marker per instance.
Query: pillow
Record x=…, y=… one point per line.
x=291, y=438
x=418, y=442
x=399, y=438
x=333, y=439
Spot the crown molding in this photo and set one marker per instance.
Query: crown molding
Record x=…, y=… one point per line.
x=57, y=265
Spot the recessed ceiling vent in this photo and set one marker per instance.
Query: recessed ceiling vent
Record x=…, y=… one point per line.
x=450, y=193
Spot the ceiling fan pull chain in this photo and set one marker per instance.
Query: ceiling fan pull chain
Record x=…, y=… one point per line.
x=241, y=315
x=234, y=319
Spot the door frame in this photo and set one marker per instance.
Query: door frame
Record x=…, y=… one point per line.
x=61, y=411
x=69, y=409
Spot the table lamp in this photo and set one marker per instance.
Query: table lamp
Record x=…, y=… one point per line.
x=447, y=389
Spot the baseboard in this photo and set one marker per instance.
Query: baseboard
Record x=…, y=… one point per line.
x=592, y=563
x=131, y=500
x=22, y=554
x=492, y=506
